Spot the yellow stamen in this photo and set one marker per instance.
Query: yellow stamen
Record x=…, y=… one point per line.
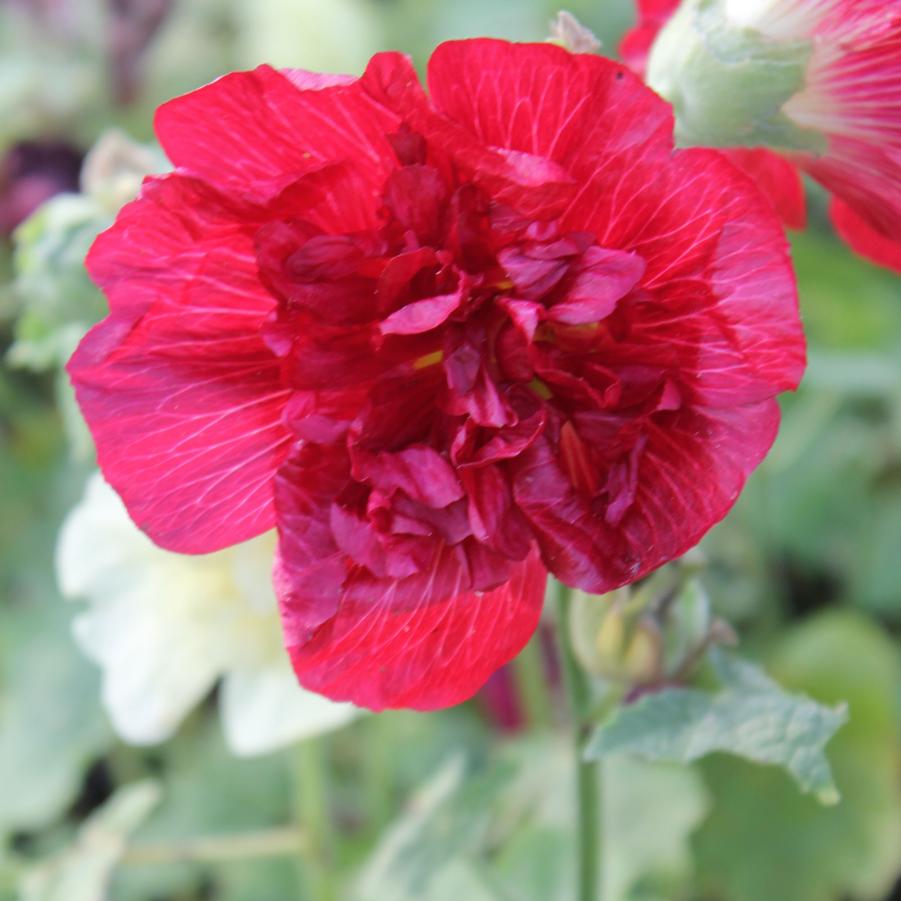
x=432, y=359
x=538, y=387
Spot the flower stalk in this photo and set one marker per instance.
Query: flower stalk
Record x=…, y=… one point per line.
x=532, y=685
x=589, y=833
x=314, y=822
x=277, y=842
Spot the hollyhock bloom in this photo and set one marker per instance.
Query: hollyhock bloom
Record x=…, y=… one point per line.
x=166, y=627
x=819, y=80
x=444, y=342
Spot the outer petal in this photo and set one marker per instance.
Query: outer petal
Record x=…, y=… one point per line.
x=254, y=133
x=863, y=238
x=778, y=179
x=866, y=178
x=690, y=473
x=426, y=656
x=567, y=110
x=182, y=396
x=721, y=305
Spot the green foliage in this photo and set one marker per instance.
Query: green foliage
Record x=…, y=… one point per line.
x=45, y=745
x=58, y=300
x=503, y=829
x=748, y=715
x=206, y=791
x=82, y=871
x=51, y=725
x=763, y=839
x=640, y=860
x=50, y=76
x=293, y=33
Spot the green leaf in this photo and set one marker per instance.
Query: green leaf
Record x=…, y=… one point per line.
x=504, y=829
x=749, y=716
x=461, y=879
x=82, y=872
x=537, y=863
x=207, y=791
x=58, y=301
x=447, y=818
x=635, y=793
x=51, y=724
x=765, y=841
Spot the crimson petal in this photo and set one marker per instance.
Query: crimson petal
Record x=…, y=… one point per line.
x=253, y=133
x=181, y=394
x=380, y=653
x=692, y=468
x=863, y=238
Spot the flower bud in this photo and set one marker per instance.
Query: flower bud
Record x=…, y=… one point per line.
x=629, y=649
x=729, y=72
x=614, y=639
x=687, y=626
x=643, y=658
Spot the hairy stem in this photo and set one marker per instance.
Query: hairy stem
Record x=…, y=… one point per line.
x=588, y=823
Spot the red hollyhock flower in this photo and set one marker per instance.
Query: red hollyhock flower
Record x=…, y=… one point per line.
x=852, y=95
x=444, y=342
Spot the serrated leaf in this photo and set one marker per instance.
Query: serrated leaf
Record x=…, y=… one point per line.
x=749, y=716
x=82, y=872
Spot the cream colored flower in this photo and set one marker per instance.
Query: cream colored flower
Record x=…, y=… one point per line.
x=165, y=627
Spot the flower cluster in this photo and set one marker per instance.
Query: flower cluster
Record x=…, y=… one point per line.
x=817, y=80
x=445, y=342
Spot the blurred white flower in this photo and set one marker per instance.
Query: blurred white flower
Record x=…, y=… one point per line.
x=165, y=627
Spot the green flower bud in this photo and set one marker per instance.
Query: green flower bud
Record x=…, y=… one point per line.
x=728, y=82
x=687, y=626
x=615, y=641
x=642, y=663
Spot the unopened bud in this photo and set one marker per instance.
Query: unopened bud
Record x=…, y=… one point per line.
x=729, y=77
x=687, y=625
x=643, y=660
x=592, y=616
x=629, y=650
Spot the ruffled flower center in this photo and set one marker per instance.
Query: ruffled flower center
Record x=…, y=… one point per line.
x=433, y=349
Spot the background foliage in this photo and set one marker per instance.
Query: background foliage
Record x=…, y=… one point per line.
x=452, y=805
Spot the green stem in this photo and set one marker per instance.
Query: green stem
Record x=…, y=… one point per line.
x=313, y=818
x=588, y=824
x=377, y=771
x=216, y=848
x=532, y=685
